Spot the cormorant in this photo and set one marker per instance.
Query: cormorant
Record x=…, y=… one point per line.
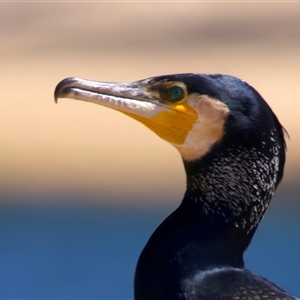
x=233, y=151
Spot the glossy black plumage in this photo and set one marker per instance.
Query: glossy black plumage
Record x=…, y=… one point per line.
x=190, y=240
x=197, y=252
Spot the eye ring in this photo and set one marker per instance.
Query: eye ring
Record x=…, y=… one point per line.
x=176, y=93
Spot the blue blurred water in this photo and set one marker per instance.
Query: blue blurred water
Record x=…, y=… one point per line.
x=90, y=252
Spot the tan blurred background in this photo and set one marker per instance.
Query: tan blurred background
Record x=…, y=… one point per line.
x=76, y=148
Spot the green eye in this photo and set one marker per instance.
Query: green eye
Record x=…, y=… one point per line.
x=176, y=93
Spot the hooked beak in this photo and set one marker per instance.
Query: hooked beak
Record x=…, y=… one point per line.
x=130, y=98
x=139, y=100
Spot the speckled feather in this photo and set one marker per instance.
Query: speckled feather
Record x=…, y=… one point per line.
x=240, y=184
x=233, y=284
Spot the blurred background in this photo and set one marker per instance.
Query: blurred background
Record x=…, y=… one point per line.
x=83, y=187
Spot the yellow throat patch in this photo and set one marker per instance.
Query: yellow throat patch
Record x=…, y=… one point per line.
x=172, y=124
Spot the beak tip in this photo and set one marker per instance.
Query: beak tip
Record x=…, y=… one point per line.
x=55, y=99
x=61, y=86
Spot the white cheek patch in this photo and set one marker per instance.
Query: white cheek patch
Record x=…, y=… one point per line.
x=136, y=107
x=207, y=129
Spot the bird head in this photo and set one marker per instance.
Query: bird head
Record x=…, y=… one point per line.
x=193, y=112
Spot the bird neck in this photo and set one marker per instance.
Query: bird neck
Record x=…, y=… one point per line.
x=186, y=243
x=226, y=197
